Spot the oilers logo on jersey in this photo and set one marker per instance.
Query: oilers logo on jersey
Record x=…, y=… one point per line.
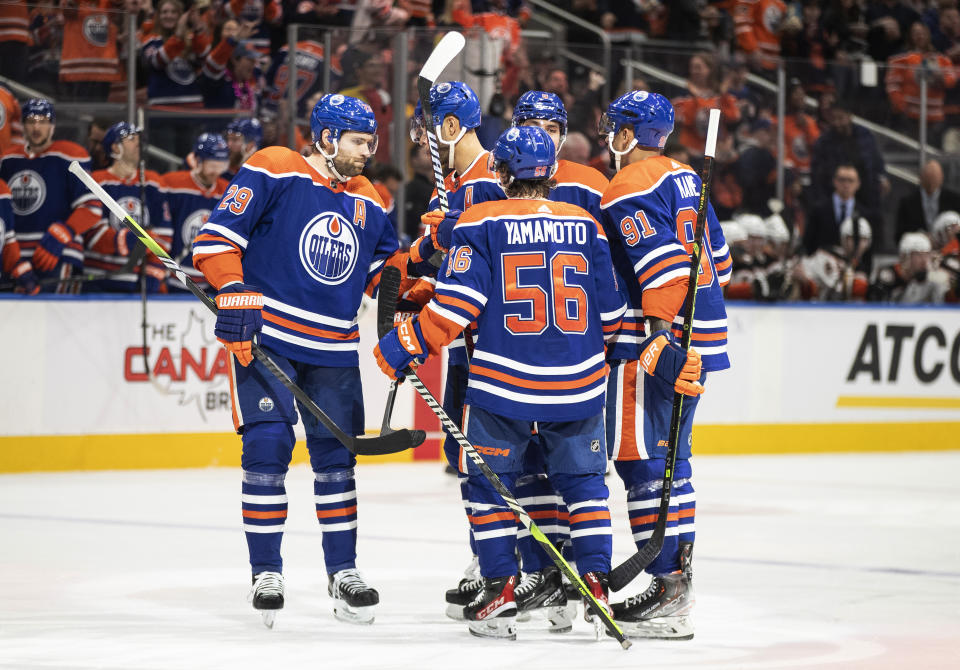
x=191, y=226
x=180, y=71
x=28, y=192
x=96, y=29
x=328, y=248
x=131, y=205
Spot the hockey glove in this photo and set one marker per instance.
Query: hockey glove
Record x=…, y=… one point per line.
x=26, y=278
x=239, y=318
x=661, y=357
x=401, y=347
x=441, y=226
x=50, y=250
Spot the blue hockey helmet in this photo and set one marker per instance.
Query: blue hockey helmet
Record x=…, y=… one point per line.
x=337, y=113
x=540, y=105
x=38, y=107
x=117, y=133
x=250, y=128
x=211, y=146
x=650, y=115
x=449, y=98
x=526, y=151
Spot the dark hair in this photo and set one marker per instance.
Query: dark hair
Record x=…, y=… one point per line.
x=527, y=188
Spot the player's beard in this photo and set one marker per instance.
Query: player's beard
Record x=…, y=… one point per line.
x=349, y=167
x=38, y=138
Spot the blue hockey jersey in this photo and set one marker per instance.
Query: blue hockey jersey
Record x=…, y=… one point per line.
x=477, y=184
x=650, y=208
x=44, y=192
x=191, y=204
x=310, y=245
x=537, y=278
x=105, y=251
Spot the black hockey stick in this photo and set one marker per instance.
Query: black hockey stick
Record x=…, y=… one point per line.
x=555, y=555
x=627, y=571
x=387, y=297
x=400, y=440
x=445, y=51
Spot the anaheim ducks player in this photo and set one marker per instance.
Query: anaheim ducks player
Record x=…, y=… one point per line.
x=291, y=248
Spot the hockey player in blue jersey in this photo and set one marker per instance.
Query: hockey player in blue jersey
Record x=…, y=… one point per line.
x=192, y=195
x=109, y=244
x=291, y=248
x=540, y=583
x=537, y=278
x=52, y=208
x=243, y=136
x=649, y=212
x=456, y=117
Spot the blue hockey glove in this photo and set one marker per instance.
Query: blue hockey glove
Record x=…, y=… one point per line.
x=662, y=357
x=239, y=318
x=401, y=347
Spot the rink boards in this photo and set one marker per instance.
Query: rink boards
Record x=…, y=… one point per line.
x=804, y=379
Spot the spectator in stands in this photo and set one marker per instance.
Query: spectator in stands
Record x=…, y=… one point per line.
x=230, y=79
x=903, y=79
x=418, y=190
x=259, y=15
x=557, y=82
x=386, y=180
x=800, y=132
x=889, y=23
x=922, y=282
x=756, y=167
x=88, y=58
x=94, y=145
x=758, y=25
x=717, y=27
x=842, y=143
x=627, y=18
x=919, y=209
x=14, y=39
x=704, y=92
x=370, y=71
x=825, y=218
x=946, y=35
x=244, y=136
x=575, y=149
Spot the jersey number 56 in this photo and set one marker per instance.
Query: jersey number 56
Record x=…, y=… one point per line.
x=544, y=296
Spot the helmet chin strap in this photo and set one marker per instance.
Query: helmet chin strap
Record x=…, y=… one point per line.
x=450, y=144
x=618, y=154
x=330, y=157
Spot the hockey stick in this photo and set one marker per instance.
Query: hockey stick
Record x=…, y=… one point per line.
x=535, y=532
x=627, y=571
x=400, y=440
x=442, y=55
x=387, y=297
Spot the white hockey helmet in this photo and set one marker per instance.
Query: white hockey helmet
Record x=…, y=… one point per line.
x=944, y=221
x=846, y=228
x=777, y=230
x=733, y=232
x=752, y=224
x=914, y=242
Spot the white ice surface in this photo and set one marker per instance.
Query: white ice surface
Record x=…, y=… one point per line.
x=828, y=561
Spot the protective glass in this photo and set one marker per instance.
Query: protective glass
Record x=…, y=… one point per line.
x=417, y=129
x=606, y=125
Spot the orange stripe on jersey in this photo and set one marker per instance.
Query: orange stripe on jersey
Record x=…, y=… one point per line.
x=641, y=176
x=628, y=411
x=543, y=514
x=603, y=515
x=672, y=516
x=664, y=302
x=253, y=514
x=207, y=237
x=630, y=325
x=343, y=511
x=316, y=332
x=490, y=518
x=702, y=337
x=544, y=386
x=437, y=330
x=456, y=302
x=723, y=265
x=671, y=260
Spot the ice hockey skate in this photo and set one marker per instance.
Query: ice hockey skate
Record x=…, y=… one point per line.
x=468, y=589
x=661, y=612
x=493, y=613
x=266, y=594
x=353, y=599
x=543, y=592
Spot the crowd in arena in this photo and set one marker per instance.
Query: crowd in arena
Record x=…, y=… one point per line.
x=844, y=229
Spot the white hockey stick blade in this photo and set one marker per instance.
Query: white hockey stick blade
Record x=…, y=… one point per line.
x=445, y=51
